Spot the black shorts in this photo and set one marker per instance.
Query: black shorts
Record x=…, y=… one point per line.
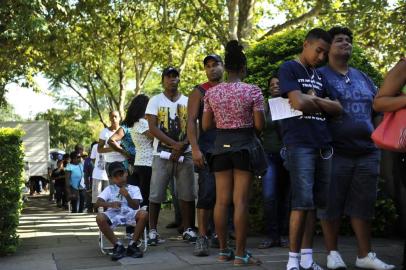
x=231, y=160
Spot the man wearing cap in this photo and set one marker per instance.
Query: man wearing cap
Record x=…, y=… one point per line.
x=213, y=65
x=167, y=115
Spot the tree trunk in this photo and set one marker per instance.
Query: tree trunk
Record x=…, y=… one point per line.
x=121, y=76
x=232, y=6
x=2, y=95
x=245, y=16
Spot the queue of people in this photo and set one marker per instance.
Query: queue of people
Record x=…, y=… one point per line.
x=321, y=164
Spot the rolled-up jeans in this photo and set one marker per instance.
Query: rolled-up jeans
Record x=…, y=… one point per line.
x=310, y=172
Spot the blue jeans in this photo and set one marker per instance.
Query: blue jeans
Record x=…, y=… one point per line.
x=310, y=170
x=276, y=193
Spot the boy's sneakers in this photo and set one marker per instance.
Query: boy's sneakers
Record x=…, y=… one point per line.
x=118, y=252
x=314, y=266
x=189, y=235
x=134, y=251
x=335, y=262
x=201, y=247
x=153, y=238
x=372, y=262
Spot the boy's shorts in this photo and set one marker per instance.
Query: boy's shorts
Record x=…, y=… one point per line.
x=120, y=216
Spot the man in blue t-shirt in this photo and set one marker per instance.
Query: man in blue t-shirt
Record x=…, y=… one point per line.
x=355, y=168
x=308, y=143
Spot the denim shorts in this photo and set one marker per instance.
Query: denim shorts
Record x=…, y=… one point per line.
x=353, y=187
x=309, y=170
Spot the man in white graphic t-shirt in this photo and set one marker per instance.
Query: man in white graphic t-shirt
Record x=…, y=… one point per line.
x=172, y=158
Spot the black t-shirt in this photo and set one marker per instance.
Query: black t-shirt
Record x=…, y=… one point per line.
x=206, y=138
x=56, y=174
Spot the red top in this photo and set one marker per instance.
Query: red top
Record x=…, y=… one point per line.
x=233, y=104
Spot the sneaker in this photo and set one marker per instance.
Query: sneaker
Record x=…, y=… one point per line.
x=214, y=243
x=201, y=247
x=118, y=252
x=269, y=243
x=134, y=251
x=372, y=262
x=153, y=238
x=189, y=235
x=335, y=262
x=284, y=241
x=314, y=266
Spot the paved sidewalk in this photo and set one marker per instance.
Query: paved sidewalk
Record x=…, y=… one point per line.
x=53, y=239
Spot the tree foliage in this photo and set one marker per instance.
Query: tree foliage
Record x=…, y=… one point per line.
x=7, y=113
x=70, y=127
x=108, y=51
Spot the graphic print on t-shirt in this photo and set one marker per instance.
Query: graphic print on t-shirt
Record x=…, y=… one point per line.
x=100, y=162
x=314, y=88
x=174, y=126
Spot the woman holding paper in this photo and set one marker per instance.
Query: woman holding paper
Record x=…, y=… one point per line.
x=236, y=109
x=275, y=183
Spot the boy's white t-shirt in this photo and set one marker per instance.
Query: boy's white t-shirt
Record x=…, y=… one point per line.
x=99, y=170
x=105, y=135
x=171, y=119
x=112, y=194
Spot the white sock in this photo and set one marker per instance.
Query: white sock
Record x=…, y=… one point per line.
x=293, y=260
x=306, y=257
x=131, y=242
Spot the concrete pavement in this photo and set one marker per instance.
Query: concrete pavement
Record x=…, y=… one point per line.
x=53, y=239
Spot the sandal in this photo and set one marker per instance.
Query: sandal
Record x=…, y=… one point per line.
x=247, y=260
x=225, y=255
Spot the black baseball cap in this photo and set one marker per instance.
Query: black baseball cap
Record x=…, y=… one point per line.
x=115, y=167
x=169, y=70
x=215, y=57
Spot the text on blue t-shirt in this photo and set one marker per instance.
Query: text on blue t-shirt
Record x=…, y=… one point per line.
x=310, y=129
x=355, y=91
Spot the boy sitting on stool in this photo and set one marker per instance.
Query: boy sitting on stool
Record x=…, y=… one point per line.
x=123, y=208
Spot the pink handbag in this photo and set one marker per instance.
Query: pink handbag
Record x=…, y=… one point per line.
x=391, y=132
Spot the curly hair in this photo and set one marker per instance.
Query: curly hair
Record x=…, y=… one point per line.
x=337, y=30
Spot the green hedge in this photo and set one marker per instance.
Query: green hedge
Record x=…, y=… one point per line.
x=11, y=183
x=264, y=58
